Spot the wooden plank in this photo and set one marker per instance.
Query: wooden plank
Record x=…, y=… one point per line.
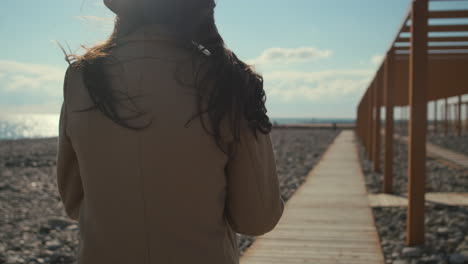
x=446, y=198
x=387, y=200
x=328, y=219
x=454, y=199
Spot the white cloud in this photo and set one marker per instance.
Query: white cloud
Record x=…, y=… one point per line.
x=328, y=85
x=293, y=85
x=286, y=56
x=377, y=59
x=317, y=75
x=27, y=77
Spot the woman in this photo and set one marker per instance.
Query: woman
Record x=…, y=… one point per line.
x=164, y=145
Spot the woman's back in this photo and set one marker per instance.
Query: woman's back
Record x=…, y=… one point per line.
x=166, y=193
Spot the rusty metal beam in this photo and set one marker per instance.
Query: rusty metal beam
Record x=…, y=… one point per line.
x=449, y=14
x=441, y=28
x=448, y=0
x=435, y=39
x=433, y=56
x=461, y=47
x=402, y=26
x=418, y=122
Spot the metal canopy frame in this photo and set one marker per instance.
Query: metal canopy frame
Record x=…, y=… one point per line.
x=424, y=62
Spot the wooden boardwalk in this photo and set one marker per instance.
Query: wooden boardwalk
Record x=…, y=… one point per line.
x=448, y=198
x=437, y=151
x=444, y=153
x=328, y=220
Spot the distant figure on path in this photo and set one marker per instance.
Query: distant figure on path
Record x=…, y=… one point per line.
x=164, y=142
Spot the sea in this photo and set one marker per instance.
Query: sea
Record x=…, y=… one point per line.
x=18, y=126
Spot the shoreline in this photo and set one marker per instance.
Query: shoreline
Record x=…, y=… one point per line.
x=322, y=125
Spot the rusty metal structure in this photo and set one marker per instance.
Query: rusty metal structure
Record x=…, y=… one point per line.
x=427, y=61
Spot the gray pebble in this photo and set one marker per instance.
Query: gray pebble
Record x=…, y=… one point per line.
x=411, y=252
x=58, y=223
x=456, y=259
x=443, y=230
x=53, y=244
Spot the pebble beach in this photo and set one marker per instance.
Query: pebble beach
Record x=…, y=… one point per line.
x=33, y=225
x=450, y=141
x=446, y=226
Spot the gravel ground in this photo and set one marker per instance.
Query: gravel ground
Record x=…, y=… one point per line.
x=451, y=141
x=446, y=226
x=439, y=176
x=446, y=235
x=33, y=225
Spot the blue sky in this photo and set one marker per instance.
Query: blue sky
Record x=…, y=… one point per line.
x=317, y=56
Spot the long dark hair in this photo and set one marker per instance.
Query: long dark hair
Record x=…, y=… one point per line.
x=237, y=92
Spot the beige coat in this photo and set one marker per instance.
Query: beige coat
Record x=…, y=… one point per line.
x=167, y=194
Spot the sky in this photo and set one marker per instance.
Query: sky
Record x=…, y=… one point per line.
x=317, y=56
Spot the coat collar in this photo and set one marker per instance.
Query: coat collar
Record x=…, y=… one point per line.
x=151, y=32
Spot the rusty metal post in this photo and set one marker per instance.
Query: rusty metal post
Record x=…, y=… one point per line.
x=446, y=121
x=418, y=122
x=442, y=113
x=459, y=116
x=466, y=116
x=388, y=87
x=371, y=122
x=377, y=122
x=356, y=128
x=365, y=120
x=435, y=116
x=366, y=123
x=401, y=120
x=453, y=118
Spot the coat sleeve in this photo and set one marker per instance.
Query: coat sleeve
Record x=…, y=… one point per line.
x=68, y=174
x=254, y=205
